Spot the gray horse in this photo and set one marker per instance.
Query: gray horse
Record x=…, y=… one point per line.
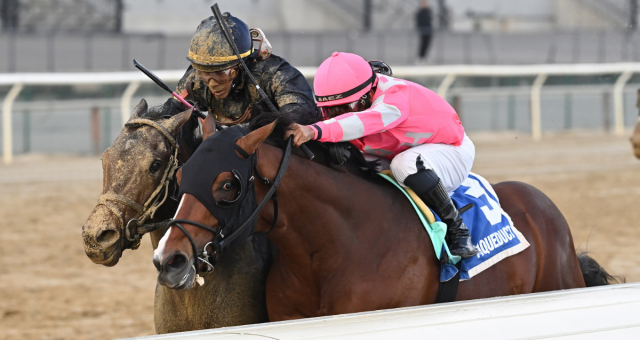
x=136, y=196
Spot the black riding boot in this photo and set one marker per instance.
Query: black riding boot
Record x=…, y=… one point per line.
x=428, y=186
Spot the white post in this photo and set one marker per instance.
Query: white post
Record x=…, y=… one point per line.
x=618, y=103
x=7, y=140
x=125, y=101
x=536, y=130
x=445, y=84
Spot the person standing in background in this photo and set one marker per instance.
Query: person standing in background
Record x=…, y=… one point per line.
x=423, y=21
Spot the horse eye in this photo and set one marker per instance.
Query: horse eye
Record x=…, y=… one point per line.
x=155, y=166
x=227, y=186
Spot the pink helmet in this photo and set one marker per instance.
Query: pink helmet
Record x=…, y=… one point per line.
x=342, y=78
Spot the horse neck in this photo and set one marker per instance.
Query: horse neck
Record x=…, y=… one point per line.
x=187, y=142
x=324, y=211
x=169, y=207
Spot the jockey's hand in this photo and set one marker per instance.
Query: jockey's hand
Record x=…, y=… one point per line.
x=301, y=134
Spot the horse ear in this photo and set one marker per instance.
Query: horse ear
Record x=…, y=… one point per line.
x=208, y=126
x=250, y=142
x=174, y=124
x=139, y=110
x=179, y=176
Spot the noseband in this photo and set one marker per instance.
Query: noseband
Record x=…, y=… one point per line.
x=148, y=210
x=220, y=241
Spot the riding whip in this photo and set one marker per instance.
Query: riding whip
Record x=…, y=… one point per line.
x=264, y=98
x=166, y=87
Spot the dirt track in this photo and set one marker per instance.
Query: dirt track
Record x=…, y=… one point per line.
x=50, y=290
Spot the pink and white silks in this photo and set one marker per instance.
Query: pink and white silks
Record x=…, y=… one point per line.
x=406, y=120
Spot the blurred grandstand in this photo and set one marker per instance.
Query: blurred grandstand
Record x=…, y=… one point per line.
x=105, y=35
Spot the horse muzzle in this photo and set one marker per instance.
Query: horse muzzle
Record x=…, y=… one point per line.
x=635, y=143
x=101, y=238
x=177, y=271
x=98, y=254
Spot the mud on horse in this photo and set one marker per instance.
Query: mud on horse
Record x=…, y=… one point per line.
x=134, y=168
x=346, y=242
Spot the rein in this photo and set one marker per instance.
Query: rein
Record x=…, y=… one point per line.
x=219, y=241
x=148, y=210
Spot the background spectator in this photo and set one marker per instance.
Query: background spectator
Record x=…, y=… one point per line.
x=423, y=21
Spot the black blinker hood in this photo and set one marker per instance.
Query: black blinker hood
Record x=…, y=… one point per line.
x=217, y=154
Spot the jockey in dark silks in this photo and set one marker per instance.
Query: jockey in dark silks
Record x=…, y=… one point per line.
x=217, y=83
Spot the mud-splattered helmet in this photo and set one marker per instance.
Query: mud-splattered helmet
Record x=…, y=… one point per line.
x=210, y=51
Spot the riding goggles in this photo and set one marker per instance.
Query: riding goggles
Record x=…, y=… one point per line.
x=336, y=110
x=222, y=76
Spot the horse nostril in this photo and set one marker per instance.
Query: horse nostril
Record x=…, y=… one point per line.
x=107, y=236
x=176, y=262
x=156, y=263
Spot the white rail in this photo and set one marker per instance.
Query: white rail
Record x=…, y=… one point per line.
x=607, y=312
x=449, y=74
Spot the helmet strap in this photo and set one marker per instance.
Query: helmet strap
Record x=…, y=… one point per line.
x=366, y=99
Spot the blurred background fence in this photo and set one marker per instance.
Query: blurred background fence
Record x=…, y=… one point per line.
x=84, y=112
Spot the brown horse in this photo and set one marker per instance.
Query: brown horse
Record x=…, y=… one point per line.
x=635, y=140
x=348, y=242
x=133, y=167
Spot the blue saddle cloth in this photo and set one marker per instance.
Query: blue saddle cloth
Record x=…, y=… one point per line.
x=492, y=231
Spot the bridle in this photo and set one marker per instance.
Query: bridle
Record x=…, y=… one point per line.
x=157, y=198
x=220, y=241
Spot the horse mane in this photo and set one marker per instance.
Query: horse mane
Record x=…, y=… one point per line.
x=190, y=133
x=355, y=164
x=158, y=112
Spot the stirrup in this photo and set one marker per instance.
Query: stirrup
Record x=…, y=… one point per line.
x=465, y=249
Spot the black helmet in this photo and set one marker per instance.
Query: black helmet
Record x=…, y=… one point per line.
x=210, y=51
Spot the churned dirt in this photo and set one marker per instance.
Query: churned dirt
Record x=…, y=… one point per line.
x=50, y=290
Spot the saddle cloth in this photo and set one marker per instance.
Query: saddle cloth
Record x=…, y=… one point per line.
x=492, y=230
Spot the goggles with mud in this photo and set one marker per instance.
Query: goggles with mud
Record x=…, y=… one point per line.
x=222, y=76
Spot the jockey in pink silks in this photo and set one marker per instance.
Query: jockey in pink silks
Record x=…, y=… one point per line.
x=400, y=120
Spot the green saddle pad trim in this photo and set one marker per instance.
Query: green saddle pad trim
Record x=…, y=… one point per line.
x=436, y=230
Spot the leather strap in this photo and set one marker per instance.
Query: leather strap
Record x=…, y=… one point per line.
x=447, y=291
x=241, y=151
x=274, y=197
x=165, y=132
x=111, y=196
x=242, y=119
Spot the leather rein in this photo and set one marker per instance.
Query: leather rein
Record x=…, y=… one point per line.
x=157, y=198
x=220, y=241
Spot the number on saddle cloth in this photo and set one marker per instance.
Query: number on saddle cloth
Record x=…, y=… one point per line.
x=493, y=214
x=491, y=228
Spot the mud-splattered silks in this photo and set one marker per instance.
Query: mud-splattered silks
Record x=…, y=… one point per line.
x=216, y=155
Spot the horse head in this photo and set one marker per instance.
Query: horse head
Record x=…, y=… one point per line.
x=137, y=171
x=635, y=141
x=214, y=202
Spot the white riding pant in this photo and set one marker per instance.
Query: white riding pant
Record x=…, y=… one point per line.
x=451, y=163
